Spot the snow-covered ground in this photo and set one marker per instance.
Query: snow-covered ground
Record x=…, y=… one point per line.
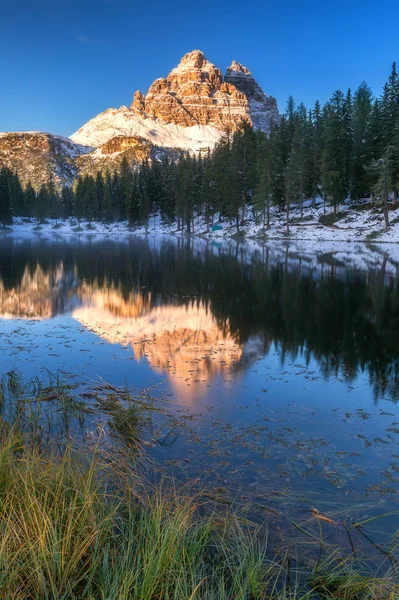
x=362, y=224
x=358, y=239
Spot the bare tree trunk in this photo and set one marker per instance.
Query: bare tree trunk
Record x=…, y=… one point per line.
x=288, y=217
x=386, y=218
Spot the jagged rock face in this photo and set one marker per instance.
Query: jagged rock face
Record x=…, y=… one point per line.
x=189, y=110
x=194, y=93
x=121, y=142
x=110, y=155
x=36, y=156
x=262, y=108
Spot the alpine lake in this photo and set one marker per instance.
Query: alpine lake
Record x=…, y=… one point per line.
x=267, y=375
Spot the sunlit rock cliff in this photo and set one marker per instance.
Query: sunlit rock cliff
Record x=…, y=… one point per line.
x=188, y=110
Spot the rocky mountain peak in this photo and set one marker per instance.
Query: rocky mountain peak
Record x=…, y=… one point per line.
x=236, y=69
x=188, y=110
x=138, y=103
x=192, y=60
x=194, y=93
x=262, y=108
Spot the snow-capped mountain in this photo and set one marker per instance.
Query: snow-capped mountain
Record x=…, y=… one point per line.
x=189, y=110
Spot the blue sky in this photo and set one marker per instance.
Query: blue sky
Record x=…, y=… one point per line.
x=62, y=63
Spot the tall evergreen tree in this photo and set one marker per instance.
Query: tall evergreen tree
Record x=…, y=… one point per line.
x=67, y=200
x=5, y=198
x=42, y=203
x=383, y=168
x=30, y=200
x=360, y=176
x=335, y=153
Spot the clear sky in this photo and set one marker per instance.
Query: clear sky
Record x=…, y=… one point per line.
x=63, y=62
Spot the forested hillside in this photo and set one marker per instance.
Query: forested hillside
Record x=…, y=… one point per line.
x=343, y=151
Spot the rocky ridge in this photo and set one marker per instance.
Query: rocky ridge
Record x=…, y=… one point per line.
x=189, y=110
x=262, y=108
x=36, y=156
x=194, y=93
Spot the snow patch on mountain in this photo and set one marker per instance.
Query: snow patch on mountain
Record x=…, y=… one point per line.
x=124, y=121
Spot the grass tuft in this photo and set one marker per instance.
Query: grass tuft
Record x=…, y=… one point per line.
x=88, y=525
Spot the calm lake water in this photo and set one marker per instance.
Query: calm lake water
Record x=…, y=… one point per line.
x=278, y=374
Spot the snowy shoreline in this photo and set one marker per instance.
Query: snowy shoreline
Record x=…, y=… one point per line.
x=363, y=223
x=321, y=251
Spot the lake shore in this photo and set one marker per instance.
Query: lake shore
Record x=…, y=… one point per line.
x=312, y=245
x=352, y=224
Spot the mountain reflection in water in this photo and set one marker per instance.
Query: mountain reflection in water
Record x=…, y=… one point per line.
x=185, y=342
x=196, y=313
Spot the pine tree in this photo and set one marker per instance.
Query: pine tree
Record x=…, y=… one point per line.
x=54, y=205
x=262, y=195
x=89, y=198
x=108, y=198
x=100, y=196
x=125, y=185
x=140, y=198
x=67, y=201
x=360, y=177
x=30, y=200
x=17, y=196
x=294, y=187
x=373, y=146
x=78, y=208
x=42, y=203
x=315, y=152
x=167, y=203
x=348, y=135
x=277, y=161
x=335, y=153
x=5, y=198
x=221, y=176
x=134, y=201
x=384, y=182
x=389, y=121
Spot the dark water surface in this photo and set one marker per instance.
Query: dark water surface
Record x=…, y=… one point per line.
x=279, y=375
